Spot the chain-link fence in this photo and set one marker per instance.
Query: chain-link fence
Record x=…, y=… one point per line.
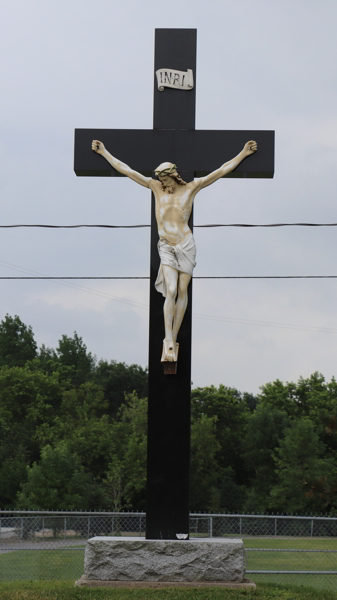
x=283, y=549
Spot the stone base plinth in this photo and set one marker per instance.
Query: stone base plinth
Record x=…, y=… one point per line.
x=121, y=560
x=247, y=584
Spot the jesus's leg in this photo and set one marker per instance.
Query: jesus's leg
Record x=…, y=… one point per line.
x=171, y=281
x=181, y=303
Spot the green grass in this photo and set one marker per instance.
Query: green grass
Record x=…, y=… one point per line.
x=31, y=565
x=60, y=565
x=290, y=542
x=67, y=591
x=293, y=561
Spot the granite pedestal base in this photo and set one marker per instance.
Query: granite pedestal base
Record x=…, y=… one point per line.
x=247, y=584
x=114, y=561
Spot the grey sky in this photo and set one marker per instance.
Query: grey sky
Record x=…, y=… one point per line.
x=261, y=65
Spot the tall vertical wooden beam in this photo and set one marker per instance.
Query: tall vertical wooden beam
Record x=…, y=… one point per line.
x=167, y=512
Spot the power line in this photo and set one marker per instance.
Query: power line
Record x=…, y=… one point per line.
x=268, y=277
x=229, y=320
x=76, y=226
x=199, y=277
x=75, y=286
x=51, y=277
x=139, y=226
x=266, y=323
x=269, y=225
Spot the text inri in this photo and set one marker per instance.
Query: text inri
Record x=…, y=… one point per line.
x=181, y=80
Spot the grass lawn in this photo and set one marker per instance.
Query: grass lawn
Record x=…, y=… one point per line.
x=31, y=565
x=67, y=591
x=61, y=565
x=293, y=561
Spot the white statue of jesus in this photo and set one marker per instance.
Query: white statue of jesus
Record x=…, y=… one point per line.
x=174, y=200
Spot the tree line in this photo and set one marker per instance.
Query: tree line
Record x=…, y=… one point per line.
x=73, y=435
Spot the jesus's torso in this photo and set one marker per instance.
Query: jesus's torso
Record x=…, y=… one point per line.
x=173, y=211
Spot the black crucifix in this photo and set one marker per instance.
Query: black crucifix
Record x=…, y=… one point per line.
x=196, y=154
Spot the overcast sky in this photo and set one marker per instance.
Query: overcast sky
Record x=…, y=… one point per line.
x=262, y=64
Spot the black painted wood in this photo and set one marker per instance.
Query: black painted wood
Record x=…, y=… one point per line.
x=169, y=409
x=200, y=151
x=196, y=153
x=175, y=49
x=167, y=511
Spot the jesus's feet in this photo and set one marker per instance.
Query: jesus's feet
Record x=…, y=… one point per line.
x=169, y=351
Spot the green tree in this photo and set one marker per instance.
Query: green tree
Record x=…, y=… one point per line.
x=231, y=411
x=114, y=485
x=125, y=483
x=57, y=482
x=231, y=495
x=264, y=431
x=204, y=469
x=28, y=401
x=81, y=422
x=303, y=471
x=72, y=353
x=13, y=471
x=118, y=379
x=309, y=397
x=17, y=344
x=46, y=361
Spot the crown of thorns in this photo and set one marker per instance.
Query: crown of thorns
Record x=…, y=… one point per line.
x=168, y=171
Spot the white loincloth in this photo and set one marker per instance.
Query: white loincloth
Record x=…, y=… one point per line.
x=180, y=257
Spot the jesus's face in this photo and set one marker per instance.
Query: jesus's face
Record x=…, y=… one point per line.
x=166, y=179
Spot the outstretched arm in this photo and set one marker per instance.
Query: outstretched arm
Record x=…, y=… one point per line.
x=249, y=148
x=99, y=147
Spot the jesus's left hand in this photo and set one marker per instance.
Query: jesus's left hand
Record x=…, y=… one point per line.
x=250, y=148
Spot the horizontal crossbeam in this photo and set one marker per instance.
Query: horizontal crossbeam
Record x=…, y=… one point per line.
x=198, y=151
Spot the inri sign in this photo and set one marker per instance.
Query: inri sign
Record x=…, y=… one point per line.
x=180, y=80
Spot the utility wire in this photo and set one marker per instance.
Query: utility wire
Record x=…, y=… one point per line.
x=219, y=319
x=268, y=277
x=51, y=277
x=266, y=323
x=201, y=277
x=145, y=226
x=76, y=226
x=269, y=225
x=201, y=226
x=75, y=286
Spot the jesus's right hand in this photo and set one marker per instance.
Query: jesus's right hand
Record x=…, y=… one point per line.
x=98, y=146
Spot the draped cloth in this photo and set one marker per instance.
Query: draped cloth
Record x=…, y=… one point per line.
x=180, y=257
